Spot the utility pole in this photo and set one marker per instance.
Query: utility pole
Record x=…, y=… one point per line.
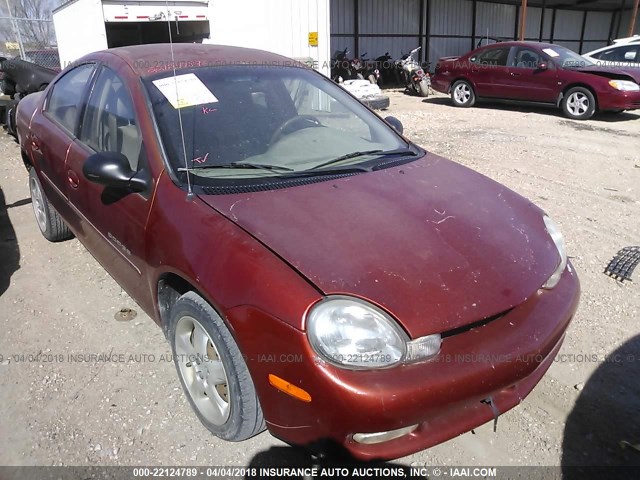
x=634, y=15
x=523, y=20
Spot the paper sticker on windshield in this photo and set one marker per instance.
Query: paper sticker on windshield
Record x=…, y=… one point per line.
x=551, y=52
x=185, y=91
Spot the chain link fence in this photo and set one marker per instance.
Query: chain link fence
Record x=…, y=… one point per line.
x=30, y=39
x=26, y=31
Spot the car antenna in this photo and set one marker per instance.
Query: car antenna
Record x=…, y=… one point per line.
x=175, y=81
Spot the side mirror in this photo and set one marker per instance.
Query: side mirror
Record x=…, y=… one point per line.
x=395, y=123
x=543, y=66
x=112, y=169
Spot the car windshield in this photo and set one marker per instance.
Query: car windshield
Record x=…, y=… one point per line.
x=567, y=58
x=257, y=121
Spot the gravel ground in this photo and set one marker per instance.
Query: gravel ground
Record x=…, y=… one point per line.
x=55, y=300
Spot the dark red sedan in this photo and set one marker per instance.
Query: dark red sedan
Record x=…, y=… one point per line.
x=314, y=271
x=537, y=72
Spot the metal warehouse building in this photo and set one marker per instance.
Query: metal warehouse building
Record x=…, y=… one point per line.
x=454, y=27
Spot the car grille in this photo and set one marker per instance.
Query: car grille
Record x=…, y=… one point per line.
x=471, y=326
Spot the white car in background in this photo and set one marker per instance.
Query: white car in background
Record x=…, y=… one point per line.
x=625, y=52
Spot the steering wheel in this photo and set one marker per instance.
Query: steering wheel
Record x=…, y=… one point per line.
x=303, y=121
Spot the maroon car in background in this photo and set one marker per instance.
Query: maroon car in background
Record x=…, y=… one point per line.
x=315, y=272
x=537, y=72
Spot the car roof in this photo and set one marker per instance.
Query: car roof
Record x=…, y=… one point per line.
x=146, y=60
x=615, y=46
x=521, y=44
x=627, y=40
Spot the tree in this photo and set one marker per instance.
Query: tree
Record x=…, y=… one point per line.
x=33, y=19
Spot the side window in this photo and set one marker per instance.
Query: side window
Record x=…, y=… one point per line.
x=526, y=58
x=64, y=103
x=109, y=123
x=494, y=57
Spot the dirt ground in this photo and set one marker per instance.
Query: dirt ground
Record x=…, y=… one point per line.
x=56, y=301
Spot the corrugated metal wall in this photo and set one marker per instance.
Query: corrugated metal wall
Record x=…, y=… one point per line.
x=448, y=27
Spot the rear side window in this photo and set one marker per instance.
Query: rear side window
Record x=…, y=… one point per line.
x=65, y=101
x=109, y=123
x=494, y=57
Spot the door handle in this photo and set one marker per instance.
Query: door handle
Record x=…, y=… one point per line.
x=516, y=74
x=35, y=143
x=73, y=179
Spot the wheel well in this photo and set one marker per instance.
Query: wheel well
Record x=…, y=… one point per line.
x=462, y=78
x=170, y=288
x=573, y=85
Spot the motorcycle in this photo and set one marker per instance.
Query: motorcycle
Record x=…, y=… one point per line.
x=412, y=75
x=341, y=67
x=367, y=69
x=386, y=69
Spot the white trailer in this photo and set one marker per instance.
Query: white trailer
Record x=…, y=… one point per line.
x=294, y=28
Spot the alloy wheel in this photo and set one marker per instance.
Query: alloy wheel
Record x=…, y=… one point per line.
x=462, y=93
x=37, y=201
x=578, y=104
x=202, y=370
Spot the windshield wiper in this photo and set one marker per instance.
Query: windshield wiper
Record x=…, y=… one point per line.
x=378, y=153
x=238, y=165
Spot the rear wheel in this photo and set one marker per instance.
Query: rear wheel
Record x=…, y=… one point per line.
x=212, y=371
x=462, y=94
x=49, y=221
x=579, y=104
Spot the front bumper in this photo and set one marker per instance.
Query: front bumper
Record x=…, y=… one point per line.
x=618, y=100
x=502, y=361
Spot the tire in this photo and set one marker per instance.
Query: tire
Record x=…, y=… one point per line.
x=372, y=79
x=462, y=94
x=578, y=104
x=49, y=221
x=212, y=371
x=423, y=89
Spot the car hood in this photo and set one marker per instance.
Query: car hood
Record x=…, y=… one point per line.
x=435, y=244
x=617, y=73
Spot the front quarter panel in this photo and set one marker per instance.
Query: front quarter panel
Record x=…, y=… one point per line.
x=225, y=264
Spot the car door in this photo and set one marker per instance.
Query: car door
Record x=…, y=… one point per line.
x=54, y=130
x=112, y=221
x=488, y=71
x=528, y=81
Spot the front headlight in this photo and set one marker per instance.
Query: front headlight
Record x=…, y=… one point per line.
x=558, y=240
x=625, y=85
x=350, y=332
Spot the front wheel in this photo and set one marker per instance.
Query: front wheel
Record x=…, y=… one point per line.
x=462, y=94
x=423, y=88
x=212, y=370
x=579, y=104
